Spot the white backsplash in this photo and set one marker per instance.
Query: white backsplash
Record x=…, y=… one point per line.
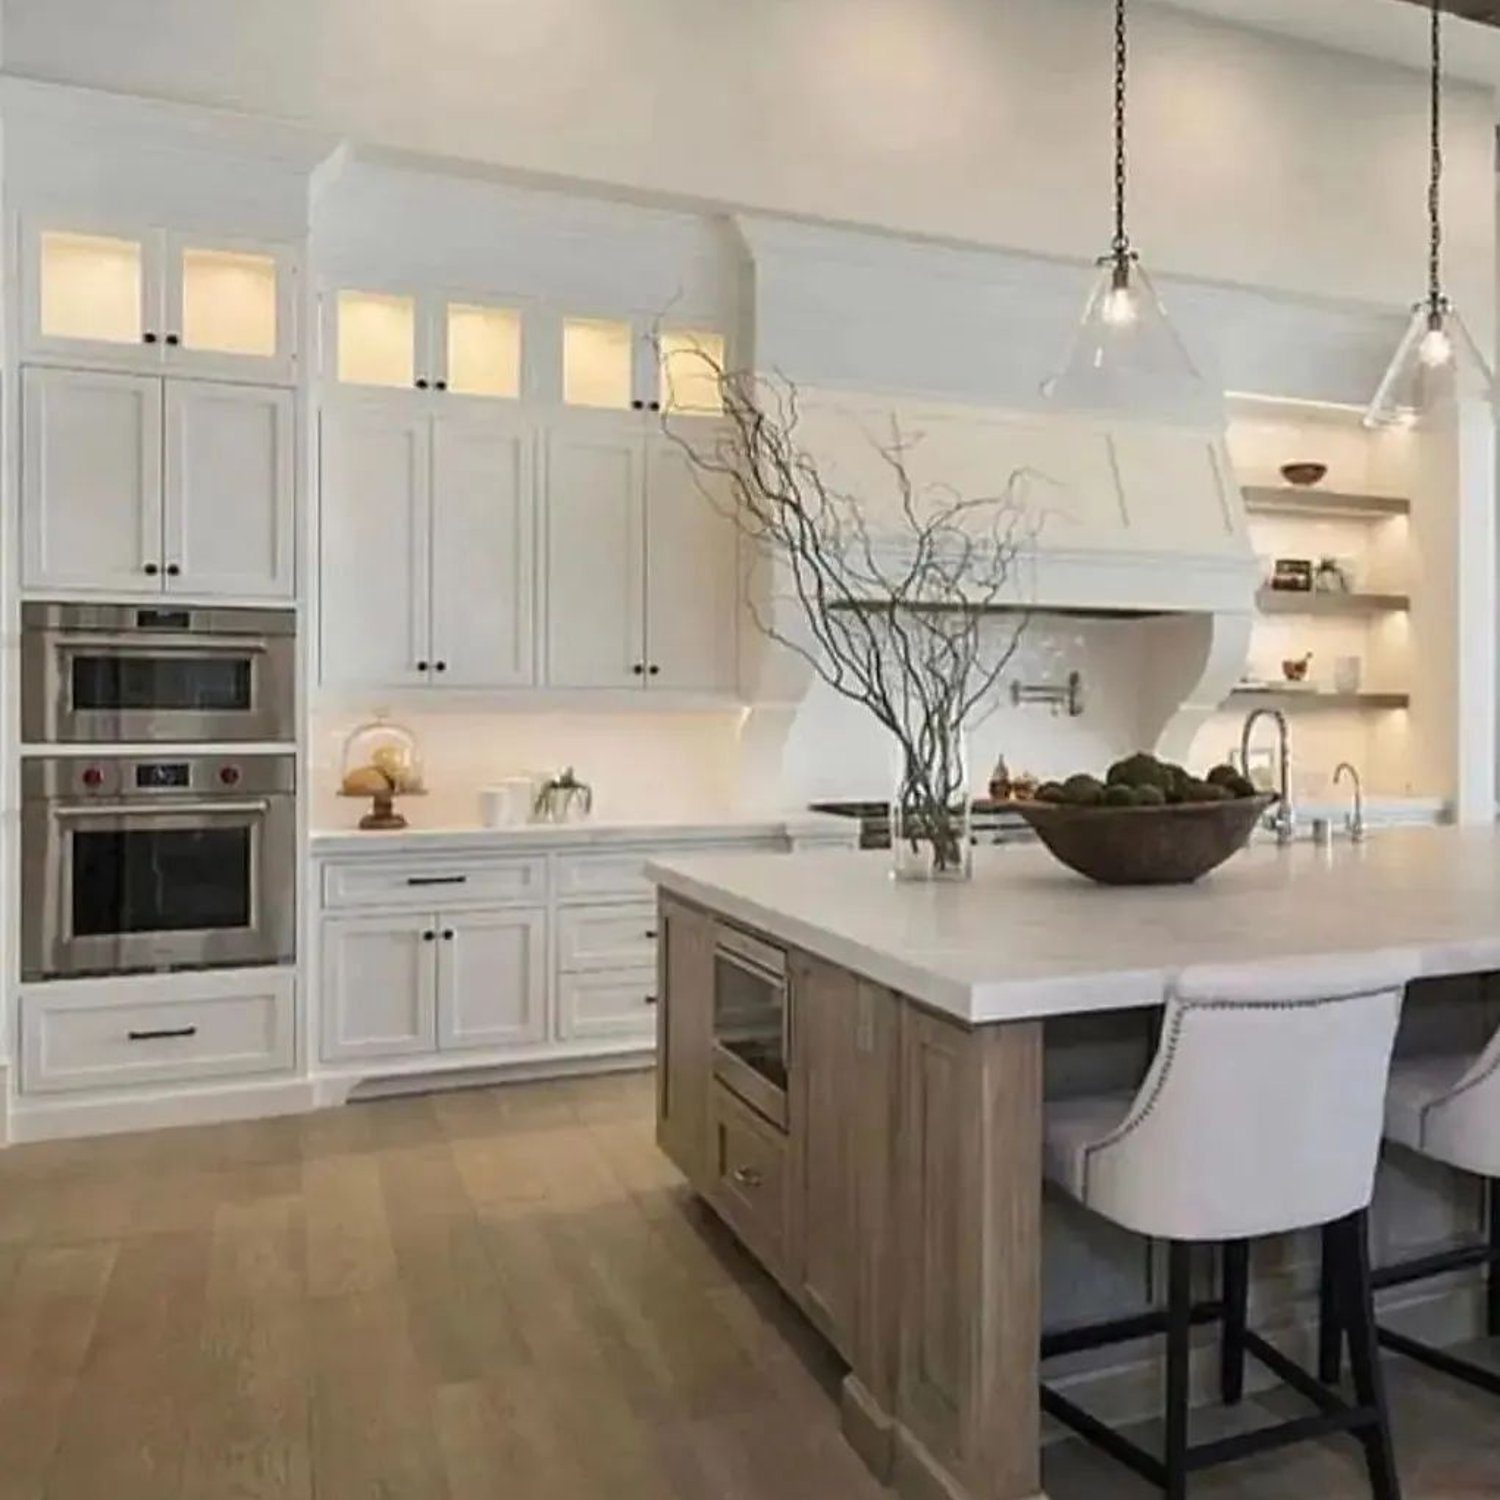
x=640, y=765
x=663, y=765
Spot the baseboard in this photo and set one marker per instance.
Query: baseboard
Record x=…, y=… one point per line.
x=71, y=1117
x=869, y=1430
x=352, y=1088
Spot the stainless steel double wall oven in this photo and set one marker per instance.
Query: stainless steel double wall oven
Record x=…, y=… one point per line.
x=177, y=857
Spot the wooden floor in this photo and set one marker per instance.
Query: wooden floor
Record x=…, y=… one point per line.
x=499, y=1293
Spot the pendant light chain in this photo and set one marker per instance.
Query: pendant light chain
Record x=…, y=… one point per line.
x=1120, y=246
x=1435, y=180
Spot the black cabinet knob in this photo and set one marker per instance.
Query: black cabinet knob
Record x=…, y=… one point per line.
x=421, y=666
x=440, y=385
x=151, y=570
x=656, y=406
x=148, y=338
x=174, y=339
x=637, y=406
x=649, y=999
x=440, y=666
x=173, y=569
x=421, y=385
x=429, y=937
x=447, y=934
x=639, y=668
x=654, y=670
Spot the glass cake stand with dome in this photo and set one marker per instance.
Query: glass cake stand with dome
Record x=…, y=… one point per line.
x=382, y=761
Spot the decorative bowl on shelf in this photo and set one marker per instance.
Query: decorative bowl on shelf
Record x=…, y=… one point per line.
x=1304, y=475
x=1171, y=845
x=381, y=762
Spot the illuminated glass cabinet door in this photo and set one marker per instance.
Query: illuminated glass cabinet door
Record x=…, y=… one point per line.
x=231, y=308
x=480, y=349
x=374, y=339
x=599, y=364
x=689, y=364
x=93, y=294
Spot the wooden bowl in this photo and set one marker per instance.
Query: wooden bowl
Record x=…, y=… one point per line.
x=1171, y=845
x=1304, y=475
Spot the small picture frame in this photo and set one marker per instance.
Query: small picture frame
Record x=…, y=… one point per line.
x=1293, y=575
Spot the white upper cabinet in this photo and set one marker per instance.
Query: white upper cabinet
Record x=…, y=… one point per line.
x=426, y=341
x=148, y=298
x=91, y=481
x=428, y=549
x=595, y=497
x=228, y=519
x=135, y=485
x=692, y=576
x=642, y=573
x=483, y=553
x=374, y=538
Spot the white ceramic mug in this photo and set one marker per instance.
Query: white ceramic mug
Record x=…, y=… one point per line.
x=509, y=803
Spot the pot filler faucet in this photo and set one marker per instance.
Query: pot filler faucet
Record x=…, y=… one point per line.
x=1282, y=819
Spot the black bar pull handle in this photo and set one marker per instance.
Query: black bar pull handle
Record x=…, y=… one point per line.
x=169, y=1033
x=437, y=880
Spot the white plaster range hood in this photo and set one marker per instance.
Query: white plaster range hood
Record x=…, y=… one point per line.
x=1138, y=523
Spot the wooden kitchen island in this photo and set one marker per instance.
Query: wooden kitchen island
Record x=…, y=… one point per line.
x=892, y=1184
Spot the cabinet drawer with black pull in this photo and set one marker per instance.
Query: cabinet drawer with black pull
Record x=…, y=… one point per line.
x=429, y=884
x=124, y=1032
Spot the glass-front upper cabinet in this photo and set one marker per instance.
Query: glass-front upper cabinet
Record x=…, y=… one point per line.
x=231, y=307
x=148, y=298
x=405, y=340
x=689, y=363
x=631, y=364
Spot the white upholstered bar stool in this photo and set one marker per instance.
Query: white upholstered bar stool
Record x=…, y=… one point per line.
x=1447, y=1108
x=1261, y=1114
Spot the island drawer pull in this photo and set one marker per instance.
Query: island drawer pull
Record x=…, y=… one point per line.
x=747, y=1177
x=437, y=880
x=165, y=1034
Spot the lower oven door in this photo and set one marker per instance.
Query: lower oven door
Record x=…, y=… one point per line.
x=110, y=888
x=101, y=689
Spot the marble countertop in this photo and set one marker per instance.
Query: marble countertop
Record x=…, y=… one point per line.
x=586, y=833
x=1027, y=938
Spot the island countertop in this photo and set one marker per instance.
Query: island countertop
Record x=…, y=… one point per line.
x=1027, y=938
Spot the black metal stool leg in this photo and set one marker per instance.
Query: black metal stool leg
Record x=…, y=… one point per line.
x=1492, y=1300
x=1356, y=1301
x=1330, y=1333
x=1232, y=1339
x=1179, y=1350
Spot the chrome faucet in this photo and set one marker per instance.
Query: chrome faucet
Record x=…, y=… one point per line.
x=1354, y=821
x=1282, y=819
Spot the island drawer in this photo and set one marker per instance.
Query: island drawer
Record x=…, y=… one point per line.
x=749, y=1166
x=119, y=1033
x=606, y=937
x=429, y=884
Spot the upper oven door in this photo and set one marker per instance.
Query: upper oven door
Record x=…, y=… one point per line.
x=84, y=687
x=118, y=886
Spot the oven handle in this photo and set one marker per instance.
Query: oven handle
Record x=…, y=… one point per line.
x=197, y=644
x=159, y=810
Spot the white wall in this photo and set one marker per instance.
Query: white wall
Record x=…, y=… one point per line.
x=1258, y=159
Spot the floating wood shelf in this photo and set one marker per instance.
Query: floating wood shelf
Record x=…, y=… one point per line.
x=1285, y=500
x=1311, y=698
x=1315, y=602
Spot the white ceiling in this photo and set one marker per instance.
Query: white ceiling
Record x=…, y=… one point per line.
x=1393, y=30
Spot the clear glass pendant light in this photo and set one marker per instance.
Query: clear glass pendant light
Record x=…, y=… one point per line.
x=1437, y=360
x=1125, y=355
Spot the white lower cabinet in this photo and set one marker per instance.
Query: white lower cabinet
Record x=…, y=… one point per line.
x=379, y=991
x=492, y=979
x=607, y=1004
x=156, y=1029
x=402, y=984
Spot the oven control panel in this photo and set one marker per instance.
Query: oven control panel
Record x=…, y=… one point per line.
x=133, y=778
